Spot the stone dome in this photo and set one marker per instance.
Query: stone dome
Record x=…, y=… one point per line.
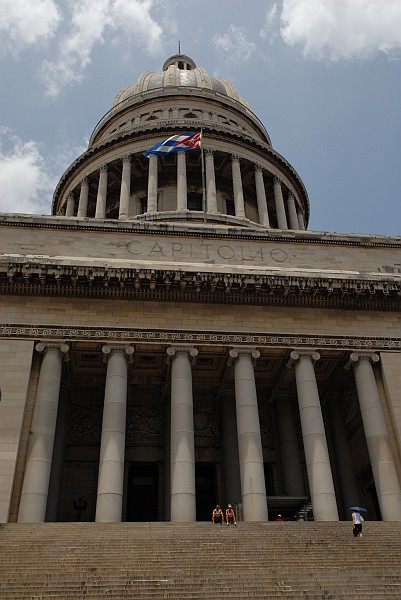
x=179, y=70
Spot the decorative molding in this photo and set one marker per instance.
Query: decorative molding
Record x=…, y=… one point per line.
x=212, y=338
x=43, y=279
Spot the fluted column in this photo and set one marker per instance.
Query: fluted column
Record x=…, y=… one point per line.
x=232, y=479
x=261, y=197
x=183, y=501
x=181, y=181
x=83, y=199
x=112, y=446
x=125, y=189
x=101, y=193
x=377, y=438
x=288, y=442
x=70, y=208
x=253, y=485
x=279, y=202
x=237, y=187
x=292, y=212
x=152, y=183
x=35, y=487
x=211, y=195
x=315, y=444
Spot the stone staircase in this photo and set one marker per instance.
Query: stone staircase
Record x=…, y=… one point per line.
x=149, y=561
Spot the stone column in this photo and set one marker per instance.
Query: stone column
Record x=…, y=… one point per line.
x=279, y=202
x=288, y=442
x=125, y=189
x=253, y=485
x=232, y=479
x=69, y=212
x=167, y=455
x=377, y=438
x=261, y=197
x=292, y=212
x=237, y=187
x=343, y=454
x=152, y=183
x=112, y=446
x=182, y=447
x=181, y=181
x=315, y=444
x=83, y=199
x=211, y=195
x=56, y=472
x=101, y=193
x=301, y=220
x=32, y=508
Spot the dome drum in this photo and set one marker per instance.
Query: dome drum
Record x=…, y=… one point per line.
x=198, y=193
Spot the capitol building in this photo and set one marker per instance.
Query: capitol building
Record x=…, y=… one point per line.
x=173, y=336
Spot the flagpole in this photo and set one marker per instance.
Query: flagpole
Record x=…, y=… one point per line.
x=203, y=179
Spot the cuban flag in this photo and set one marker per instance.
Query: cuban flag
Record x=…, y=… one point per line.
x=176, y=143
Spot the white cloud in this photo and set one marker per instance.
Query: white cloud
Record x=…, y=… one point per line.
x=269, y=28
x=235, y=44
x=27, y=22
x=342, y=29
x=91, y=22
x=26, y=186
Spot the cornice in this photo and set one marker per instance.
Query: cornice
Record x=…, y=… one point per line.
x=205, y=230
x=39, y=279
x=261, y=341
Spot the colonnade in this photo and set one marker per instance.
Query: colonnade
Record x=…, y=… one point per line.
x=288, y=212
x=242, y=440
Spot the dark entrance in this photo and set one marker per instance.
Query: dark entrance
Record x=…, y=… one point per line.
x=206, y=498
x=143, y=488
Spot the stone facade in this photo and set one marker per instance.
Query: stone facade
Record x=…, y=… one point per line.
x=166, y=347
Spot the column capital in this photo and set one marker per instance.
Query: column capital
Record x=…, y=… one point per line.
x=258, y=168
x=277, y=180
x=173, y=350
x=103, y=168
x=123, y=348
x=209, y=153
x=126, y=158
x=60, y=346
x=85, y=180
x=297, y=354
x=234, y=353
x=234, y=158
x=355, y=357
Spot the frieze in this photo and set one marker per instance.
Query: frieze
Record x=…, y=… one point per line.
x=259, y=340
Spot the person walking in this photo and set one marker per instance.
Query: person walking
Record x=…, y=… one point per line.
x=357, y=520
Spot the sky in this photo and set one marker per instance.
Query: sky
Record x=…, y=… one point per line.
x=323, y=76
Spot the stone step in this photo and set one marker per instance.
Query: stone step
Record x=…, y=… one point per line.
x=151, y=561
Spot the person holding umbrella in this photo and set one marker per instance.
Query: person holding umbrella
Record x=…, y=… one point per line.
x=357, y=520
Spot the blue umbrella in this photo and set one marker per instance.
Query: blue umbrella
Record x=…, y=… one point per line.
x=358, y=508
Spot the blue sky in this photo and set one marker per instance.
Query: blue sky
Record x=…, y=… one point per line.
x=324, y=77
